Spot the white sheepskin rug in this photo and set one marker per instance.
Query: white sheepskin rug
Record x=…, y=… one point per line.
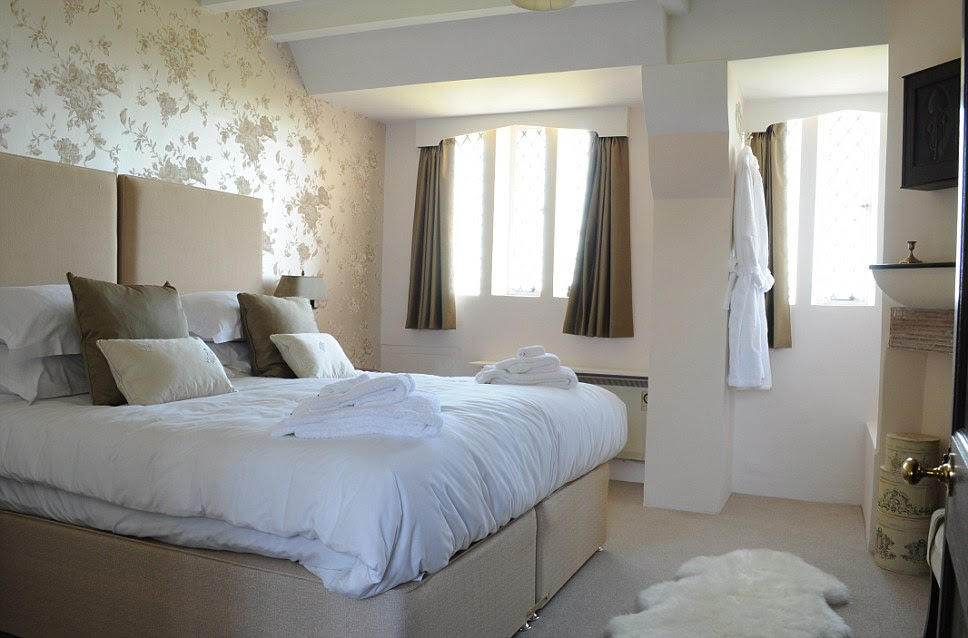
x=749, y=593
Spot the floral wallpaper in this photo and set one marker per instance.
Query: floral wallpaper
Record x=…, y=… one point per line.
x=163, y=89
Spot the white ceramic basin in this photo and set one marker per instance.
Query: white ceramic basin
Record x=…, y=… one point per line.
x=925, y=285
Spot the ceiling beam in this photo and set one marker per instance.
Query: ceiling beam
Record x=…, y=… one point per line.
x=677, y=7
x=330, y=18
x=339, y=17
x=223, y=6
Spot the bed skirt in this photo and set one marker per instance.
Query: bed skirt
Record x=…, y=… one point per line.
x=62, y=580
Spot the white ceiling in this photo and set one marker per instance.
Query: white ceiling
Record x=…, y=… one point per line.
x=842, y=72
x=847, y=71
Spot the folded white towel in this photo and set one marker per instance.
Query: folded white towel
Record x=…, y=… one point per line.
x=417, y=415
x=562, y=377
x=530, y=351
x=360, y=391
x=523, y=365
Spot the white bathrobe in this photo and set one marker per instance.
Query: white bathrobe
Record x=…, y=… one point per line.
x=749, y=279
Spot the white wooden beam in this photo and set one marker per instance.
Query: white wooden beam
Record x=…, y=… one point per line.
x=223, y=6
x=338, y=17
x=341, y=18
x=676, y=7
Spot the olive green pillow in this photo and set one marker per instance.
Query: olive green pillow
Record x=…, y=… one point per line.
x=111, y=311
x=263, y=316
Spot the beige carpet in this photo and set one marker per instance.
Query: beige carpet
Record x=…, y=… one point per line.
x=645, y=546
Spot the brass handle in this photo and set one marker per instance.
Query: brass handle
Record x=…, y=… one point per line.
x=913, y=472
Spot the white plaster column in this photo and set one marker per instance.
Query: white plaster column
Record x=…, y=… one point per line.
x=688, y=450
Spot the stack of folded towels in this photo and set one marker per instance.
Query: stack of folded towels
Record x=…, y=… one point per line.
x=531, y=366
x=387, y=405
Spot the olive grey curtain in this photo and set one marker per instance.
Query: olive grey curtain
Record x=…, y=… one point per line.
x=431, y=304
x=600, y=296
x=770, y=150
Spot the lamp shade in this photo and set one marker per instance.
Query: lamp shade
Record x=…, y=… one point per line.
x=301, y=286
x=543, y=5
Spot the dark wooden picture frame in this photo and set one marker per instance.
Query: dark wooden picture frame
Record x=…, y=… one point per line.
x=931, y=107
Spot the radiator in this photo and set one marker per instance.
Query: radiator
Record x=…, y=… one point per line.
x=632, y=389
x=634, y=392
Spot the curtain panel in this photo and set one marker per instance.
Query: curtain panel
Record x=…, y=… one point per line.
x=431, y=304
x=770, y=150
x=600, y=296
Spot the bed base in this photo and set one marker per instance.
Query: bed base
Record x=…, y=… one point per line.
x=62, y=580
x=571, y=527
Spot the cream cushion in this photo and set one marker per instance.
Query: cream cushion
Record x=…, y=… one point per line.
x=152, y=371
x=314, y=355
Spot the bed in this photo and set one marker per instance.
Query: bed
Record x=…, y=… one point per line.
x=65, y=578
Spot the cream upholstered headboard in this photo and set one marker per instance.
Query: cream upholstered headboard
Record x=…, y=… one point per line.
x=195, y=238
x=55, y=218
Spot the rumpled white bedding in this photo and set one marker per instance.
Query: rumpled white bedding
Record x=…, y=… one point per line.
x=364, y=514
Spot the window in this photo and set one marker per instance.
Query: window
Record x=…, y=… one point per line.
x=832, y=206
x=845, y=212
x=519, y=211
x=518, y=204
x=572, y=184
x=468, y=224
x=794, y=141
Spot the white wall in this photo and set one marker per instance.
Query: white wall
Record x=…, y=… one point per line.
x=610, y=121
x=917, y=390
x=804, y=439
x=490, y=328
x=758, y=114
x=825, y=387
x=739, y=29
x=922, y=34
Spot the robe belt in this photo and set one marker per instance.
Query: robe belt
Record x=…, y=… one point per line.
x=761, y=278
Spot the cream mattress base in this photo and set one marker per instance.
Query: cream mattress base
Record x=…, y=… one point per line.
x=62, y=580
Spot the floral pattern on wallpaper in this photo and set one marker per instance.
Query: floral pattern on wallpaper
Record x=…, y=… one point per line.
x=162, y=89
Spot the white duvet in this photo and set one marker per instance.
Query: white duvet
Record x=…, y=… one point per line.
x=364, y=514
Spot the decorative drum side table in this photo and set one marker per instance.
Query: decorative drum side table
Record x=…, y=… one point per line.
x=904, y=511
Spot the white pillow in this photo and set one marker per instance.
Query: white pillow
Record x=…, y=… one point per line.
x=314, y=355
x=234, y=355
x=151, y=371
x=41, y=377
x=39, y=321
x=213, y=316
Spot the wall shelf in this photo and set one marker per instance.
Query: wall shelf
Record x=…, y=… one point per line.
x=922, y=285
